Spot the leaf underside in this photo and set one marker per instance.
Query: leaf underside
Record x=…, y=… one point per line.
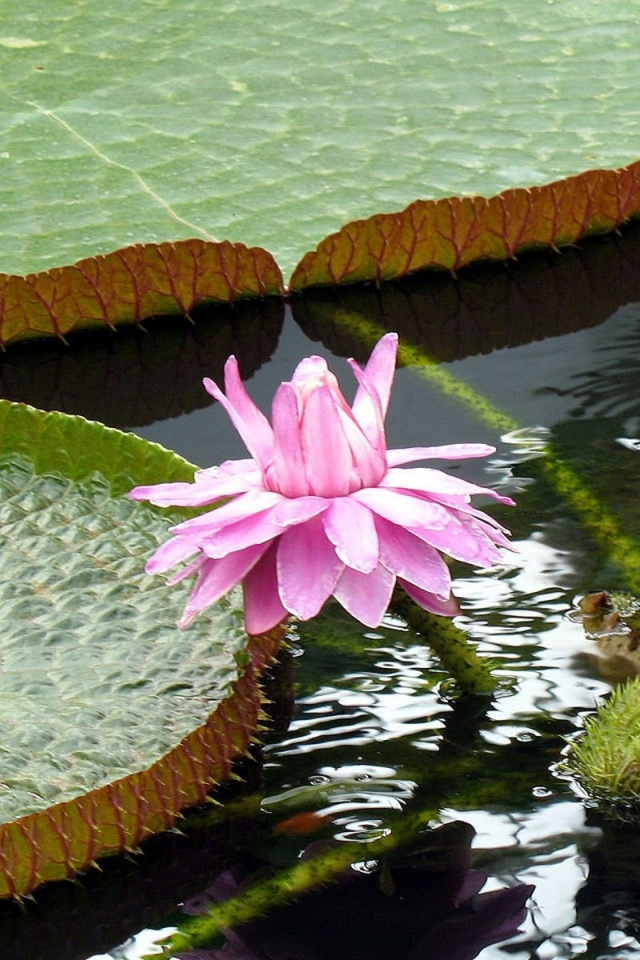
x=113, y=721
x=131, y=284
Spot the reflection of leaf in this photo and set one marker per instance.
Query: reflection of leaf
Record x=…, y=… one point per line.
x=451, y=233
x=112, y=720
x=75, y=921
x=485, y=309
x=122, y=380
x=609, y=389
x=421, y=903
x=128, y=285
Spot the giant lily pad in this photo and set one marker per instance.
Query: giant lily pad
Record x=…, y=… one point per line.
x=113, y=721
x=274, y=124
x=126, y=134
x=452, y=233
x=131, y=284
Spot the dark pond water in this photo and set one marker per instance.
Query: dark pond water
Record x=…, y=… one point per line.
x=541, y=359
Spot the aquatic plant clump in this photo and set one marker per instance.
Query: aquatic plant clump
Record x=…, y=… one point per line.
x=606, y=759
x=323, y=508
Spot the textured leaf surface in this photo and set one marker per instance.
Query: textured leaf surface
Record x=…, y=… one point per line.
x=275, y=123
x=113, y=721
x=449, y=234
x=128, y=285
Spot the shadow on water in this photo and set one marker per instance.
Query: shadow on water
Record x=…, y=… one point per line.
x=133, y=377
x=488, y=307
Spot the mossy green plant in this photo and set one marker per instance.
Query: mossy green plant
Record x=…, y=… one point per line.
x=606, y=759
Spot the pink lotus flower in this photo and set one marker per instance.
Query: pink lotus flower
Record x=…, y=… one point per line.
x=322, y=507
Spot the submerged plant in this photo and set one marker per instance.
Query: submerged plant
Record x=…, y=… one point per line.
x=606, y=760
x=322, y=507
x=419, y=901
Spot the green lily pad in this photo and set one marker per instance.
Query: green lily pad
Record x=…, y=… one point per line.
x=274, y=124
x=112, y=719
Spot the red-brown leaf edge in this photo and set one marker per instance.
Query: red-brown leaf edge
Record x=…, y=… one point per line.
x=131, y=284
x=451, y=233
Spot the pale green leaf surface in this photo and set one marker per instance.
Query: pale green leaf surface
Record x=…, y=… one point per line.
x=96, y=682
x=274, y=123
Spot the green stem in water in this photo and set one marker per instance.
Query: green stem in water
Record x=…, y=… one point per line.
x=599, y=522
x=451, y=645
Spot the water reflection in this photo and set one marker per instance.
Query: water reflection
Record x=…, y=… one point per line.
x=135, y=377
x=609, y=388
x=423, y=906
